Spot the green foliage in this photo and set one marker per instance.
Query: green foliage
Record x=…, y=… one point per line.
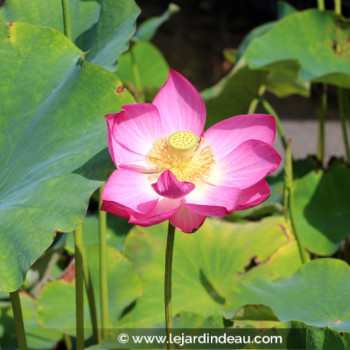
x=37, y=338
x=117, y=228
x=283, y=47
x=148, y=28
x=204, y=264
x=305, y=297
x=53, y=139
x=102, y=28
x=83, y=14
x=322, y=208
x=56, y=302
x=151, y=65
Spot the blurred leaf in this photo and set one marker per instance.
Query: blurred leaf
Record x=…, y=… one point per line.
x=316, y=338
x=52, y=141
x=233, y=94
x=324, y=34
x=317, y=294
x=56, y=303
x=49, y=13
x=255, y=33
x=322, y=209
x=204, y=265
x=151, y=64
x=230, y=55
x=117, y=228
x=109, y=38
x=148, y=28
x=284, y=9
x=284, y=84
x=37, y=338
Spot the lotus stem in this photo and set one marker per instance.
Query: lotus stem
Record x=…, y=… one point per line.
x=322, y=116
x=289, y=199
x=167, y=282
x=337, y=7
x=18, y=318
x=343, y=122
x=67, y=342
x=102, y=218
x=320, y=5
x=79, y=288
x=269, y=109
x=66, y=20
x=135, y=70
x=255, y=102
x=91, y=299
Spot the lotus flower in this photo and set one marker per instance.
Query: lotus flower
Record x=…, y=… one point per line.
x=169, y=168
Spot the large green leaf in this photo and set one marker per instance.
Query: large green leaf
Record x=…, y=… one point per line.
x=204, y=264
x=102, y=28
x=52, y=143
x=56, y=303
x=151, y=65
x=49, y=13
x=317, y=294
x=107, y=40
x=322, y=209
x=233, y=94
x=37, y=338
x=314, y=42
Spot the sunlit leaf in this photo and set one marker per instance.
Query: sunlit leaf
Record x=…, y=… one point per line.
x=283, y=48
x=317, y=295
x=53, y=141
x=205, y=264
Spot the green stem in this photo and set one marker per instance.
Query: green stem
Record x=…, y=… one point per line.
x=135, y=70
x=102, y=217
x=18, y=318
x=91, y=299
x=347, y=103
x=66, y=20
x=167, y=281
x=343, y=122
x=337, y=7
x=67, y=341
x=79, y=288
x=320, y=5
x=255, y=101
x=269, y=109
x=289, y=191
x=322, y=116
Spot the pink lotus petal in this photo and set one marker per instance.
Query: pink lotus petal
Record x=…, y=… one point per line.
x=213, y=200
x=246, y=165
x=131, y=190
x=112, y=208
x=228, y=134
x=164, y=210
x=131, y=134
x=186, y=220
x=180, y=105
x=254, y=195
x=168, y=186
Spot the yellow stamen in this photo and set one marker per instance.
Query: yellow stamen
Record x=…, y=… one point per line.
x=183, y=155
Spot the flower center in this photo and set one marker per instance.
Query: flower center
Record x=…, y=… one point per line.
x=183, y=140
x=184, y=155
